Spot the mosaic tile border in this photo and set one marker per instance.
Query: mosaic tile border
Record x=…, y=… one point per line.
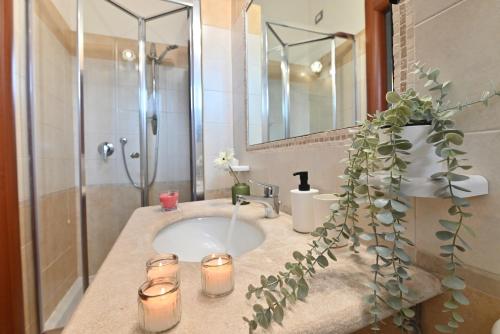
x=404, y=45
x=316, y=138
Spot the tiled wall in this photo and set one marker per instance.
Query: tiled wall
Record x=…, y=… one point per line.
x=456, y=36
x=217, y=91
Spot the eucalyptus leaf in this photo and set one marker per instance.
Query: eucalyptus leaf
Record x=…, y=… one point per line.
x=302, y=290
x=381, y=202
x=322, y=261
x=449, y=225
x=384, y=251
x=444, y=329
x=278, y=314
x=453, y=282
x=408, y=312
x=401, y=254
x=399, y=206
x=298, y=256
x=444, y=235
x=394, y=303
x=392, y=97
x=457, y=317
x=385, y=217
x=460, y=298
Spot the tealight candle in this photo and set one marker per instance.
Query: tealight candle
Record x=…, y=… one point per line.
x=163, y=266
x=159, y=305
x=217, y=277
x=169, y=200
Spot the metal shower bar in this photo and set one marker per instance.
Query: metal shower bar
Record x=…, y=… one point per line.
x=122, y=8
x=154, y=17
x=175, y=11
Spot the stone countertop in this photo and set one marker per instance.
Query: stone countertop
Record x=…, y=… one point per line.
x=335, y=303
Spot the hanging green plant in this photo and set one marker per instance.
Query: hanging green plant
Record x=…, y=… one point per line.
x=377, y=164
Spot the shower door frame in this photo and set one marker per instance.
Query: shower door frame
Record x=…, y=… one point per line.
x=193, y=9
x=196, y=110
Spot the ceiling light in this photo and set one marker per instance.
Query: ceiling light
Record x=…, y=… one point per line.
x=316, y=67
x=128, y=55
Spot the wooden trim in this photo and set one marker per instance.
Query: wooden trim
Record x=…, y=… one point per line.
x=11, y=289
x=376, y=54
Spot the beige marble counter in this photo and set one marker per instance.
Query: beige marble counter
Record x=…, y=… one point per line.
x=335, y=304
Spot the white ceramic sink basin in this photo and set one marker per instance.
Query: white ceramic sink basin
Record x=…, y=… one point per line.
x=192, y=239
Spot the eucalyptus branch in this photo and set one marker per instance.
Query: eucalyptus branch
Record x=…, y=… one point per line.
x=391, y=208
x=445, y=137
x=291, y=282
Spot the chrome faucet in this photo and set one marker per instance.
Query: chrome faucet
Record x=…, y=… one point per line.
x=270, y=200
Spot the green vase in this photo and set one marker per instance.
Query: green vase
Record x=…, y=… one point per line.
x=240, y=189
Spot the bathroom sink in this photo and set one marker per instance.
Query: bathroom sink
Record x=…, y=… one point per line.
x=192, y=239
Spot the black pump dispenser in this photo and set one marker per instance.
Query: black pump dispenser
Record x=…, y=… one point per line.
x=303, y=186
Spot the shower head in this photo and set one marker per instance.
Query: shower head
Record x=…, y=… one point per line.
x=167, y=49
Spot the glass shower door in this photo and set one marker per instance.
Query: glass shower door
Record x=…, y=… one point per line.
x=136, y=114
x=114, y=90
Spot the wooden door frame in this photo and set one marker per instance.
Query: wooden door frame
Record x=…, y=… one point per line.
x=376, y=54
x=11, y=289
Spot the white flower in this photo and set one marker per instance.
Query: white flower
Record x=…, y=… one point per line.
x=225, y=159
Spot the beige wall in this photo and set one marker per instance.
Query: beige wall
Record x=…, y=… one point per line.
x=457, y=37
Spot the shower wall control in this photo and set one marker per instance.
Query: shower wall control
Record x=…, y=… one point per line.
x=105, y=150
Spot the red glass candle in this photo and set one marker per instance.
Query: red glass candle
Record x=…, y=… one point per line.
x=169, y=200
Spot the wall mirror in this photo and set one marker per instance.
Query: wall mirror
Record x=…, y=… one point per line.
x=306, y=65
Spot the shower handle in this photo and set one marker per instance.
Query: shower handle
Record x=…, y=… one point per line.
x=105, y=149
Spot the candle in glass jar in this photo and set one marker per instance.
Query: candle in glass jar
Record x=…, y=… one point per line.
x=217, y=275
x=159, y=305
x=163, y=266
x=169, y=200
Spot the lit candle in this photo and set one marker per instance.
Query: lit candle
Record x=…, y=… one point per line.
x=169, y=200
x=217, y=277
x=159, y=305
x=163, y=266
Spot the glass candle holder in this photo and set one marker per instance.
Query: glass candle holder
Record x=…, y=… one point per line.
x=163, y=266
x=217, y=278
x=159, y=305
x=169, y=200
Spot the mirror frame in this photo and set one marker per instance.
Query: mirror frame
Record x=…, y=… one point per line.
x=376, y=76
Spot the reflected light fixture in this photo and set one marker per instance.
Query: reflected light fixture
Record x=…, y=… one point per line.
x=316, y=67
x=128, y=55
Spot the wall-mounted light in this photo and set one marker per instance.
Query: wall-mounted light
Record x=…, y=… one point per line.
x=316, y=67
x=128, y=55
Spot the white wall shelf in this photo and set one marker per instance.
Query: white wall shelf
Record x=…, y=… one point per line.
x=241, y=168
x=424, y=187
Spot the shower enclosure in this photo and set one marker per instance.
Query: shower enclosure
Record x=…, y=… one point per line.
x=296, y=103
x=114, y=113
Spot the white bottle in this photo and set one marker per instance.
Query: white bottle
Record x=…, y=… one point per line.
x=496, y=327
x=303, y=205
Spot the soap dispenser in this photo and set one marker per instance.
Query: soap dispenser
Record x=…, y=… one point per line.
x=303, y=205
